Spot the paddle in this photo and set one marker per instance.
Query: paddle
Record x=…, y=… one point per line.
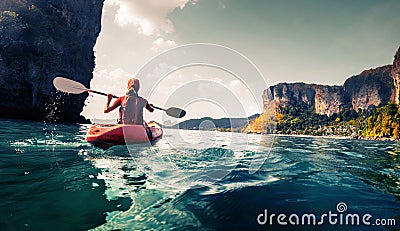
x=70, y=86
x=172, y=111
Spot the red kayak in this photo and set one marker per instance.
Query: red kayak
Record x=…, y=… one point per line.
x=107, y=135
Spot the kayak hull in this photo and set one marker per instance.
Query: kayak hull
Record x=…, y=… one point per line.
x=107, y=135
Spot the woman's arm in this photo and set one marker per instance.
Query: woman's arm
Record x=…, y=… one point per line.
x=116, y=104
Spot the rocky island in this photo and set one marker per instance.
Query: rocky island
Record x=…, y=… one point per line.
x=366, y=105
x=40, y=40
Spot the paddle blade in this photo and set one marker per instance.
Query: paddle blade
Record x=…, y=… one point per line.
x=175, y=112
x=68, y=85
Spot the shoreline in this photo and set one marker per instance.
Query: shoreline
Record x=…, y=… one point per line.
x=308, y=136
x=341, y=137
x=311, y=136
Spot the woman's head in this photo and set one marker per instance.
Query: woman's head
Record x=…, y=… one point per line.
x=134, y=83
x=133, y=87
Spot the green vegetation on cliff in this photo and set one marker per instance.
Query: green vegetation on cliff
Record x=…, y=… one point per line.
x=385, y=122
x=382, y=122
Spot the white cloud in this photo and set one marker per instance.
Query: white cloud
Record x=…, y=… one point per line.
x=113, y=81
x=162, y=45
x=149, y=16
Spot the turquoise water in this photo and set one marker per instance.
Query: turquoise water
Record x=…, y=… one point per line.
x=51, y=179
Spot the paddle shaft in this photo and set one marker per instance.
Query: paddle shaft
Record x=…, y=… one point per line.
x=116, y=97
x=159, y=108
x=102, y=93
x=174, y=112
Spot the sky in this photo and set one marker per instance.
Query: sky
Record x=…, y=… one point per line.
x=312, y=41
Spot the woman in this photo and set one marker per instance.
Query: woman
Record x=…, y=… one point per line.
x=131, y=105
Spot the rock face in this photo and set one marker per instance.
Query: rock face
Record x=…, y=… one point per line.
x=396, y=76
x=39, y=40
x=293, y=93
x=326, y=100
x=329, y=99
x=371, y=88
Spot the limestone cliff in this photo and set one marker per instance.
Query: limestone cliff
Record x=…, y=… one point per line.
x=41, y=39
x=325, y=100
x=371, y=88
x=311, y=109
x=329, y=99
x=396, y=76
x=293, y=93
